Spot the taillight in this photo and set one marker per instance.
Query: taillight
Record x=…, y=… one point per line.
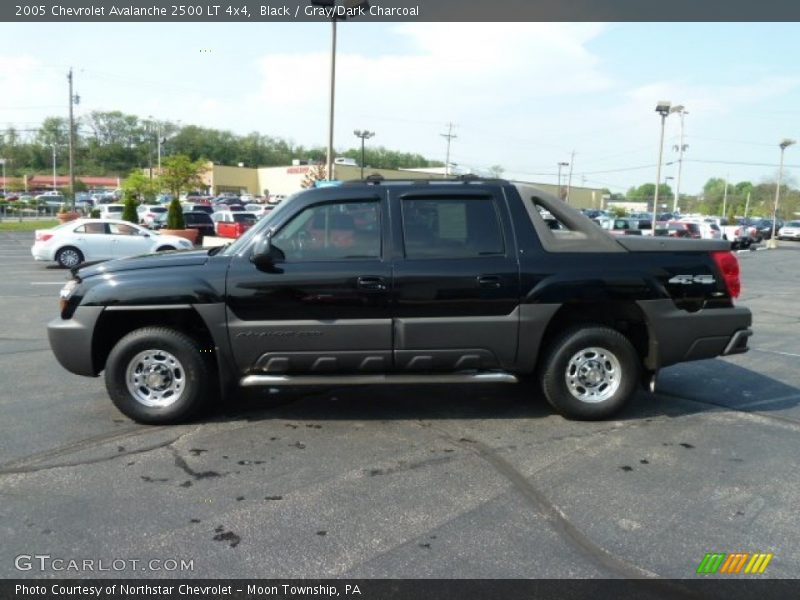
x=43, y=237
x=728, y=265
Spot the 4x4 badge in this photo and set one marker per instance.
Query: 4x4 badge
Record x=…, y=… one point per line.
x=690, y=279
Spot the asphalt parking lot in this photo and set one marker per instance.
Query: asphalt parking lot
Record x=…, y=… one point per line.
x=434, y=481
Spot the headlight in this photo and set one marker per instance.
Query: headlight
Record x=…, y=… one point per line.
x=66, y=292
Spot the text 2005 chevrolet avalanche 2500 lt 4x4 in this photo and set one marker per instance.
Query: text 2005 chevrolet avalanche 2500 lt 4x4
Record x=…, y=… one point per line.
x=397, y=282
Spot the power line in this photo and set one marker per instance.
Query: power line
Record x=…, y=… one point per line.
x=738, y=163
x=710, y=139
x=618, y=170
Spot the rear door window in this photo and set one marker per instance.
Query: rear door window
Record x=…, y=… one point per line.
x=451, y=228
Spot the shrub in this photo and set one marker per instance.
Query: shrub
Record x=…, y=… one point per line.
x=175, y=215
x=95, y=214
x=129, y=212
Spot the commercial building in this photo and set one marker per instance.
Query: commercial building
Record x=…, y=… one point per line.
x=289, y=179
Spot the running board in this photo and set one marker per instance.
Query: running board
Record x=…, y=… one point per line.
x=402, y=378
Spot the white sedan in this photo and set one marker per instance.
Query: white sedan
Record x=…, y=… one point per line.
x=83, y=240
x=790, y=231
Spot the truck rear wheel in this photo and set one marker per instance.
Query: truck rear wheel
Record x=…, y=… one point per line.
x=590, y=372
x=157, y=375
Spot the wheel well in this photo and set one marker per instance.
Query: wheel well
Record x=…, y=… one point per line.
x=163, y=248
x=113, y=325
x=625, y=317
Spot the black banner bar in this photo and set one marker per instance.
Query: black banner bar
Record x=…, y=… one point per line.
x=396, y=10
x=738, y=588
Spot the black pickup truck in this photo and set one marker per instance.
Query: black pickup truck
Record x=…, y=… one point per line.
x=381, y=282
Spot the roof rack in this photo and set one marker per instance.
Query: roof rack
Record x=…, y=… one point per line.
x=378, y=179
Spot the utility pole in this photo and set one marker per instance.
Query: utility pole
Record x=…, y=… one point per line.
x=560, y=164
x=158, y=144
x=680, y=148
x=569, y=177
x=450, y=136
x=747, y=205
x=54, y=167
x=72, y=99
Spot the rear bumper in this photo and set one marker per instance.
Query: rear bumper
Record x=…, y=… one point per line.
x=71, y=340
x=39, y=252
x=679, y=336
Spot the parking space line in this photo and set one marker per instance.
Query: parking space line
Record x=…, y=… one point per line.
x=777, y=352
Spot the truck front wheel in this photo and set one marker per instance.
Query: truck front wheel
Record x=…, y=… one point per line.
x=590, y=372
x=156, y=375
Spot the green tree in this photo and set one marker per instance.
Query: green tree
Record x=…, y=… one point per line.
x=140, y=186
x=180, y=174
x=129, y=212
x=175, y=215
x=618, y=211
x=496, y=171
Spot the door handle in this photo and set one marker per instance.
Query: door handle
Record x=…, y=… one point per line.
x=372, y=284
x=489, y=281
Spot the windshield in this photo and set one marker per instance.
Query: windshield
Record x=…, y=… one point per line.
x=261, y=226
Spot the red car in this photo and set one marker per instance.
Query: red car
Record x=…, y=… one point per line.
x=234, y=224
x=684, y=230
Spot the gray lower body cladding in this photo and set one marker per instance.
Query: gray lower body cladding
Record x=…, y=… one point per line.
x=680, y=336
x=71, y=339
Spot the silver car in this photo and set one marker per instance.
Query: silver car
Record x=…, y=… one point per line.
x=790, y=231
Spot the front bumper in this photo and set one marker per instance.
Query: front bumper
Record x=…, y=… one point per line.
x=71, y=340
x=679, y=336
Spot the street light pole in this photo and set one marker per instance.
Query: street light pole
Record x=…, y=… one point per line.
x=725, y=196
x=354, y=7
x=3, y=162
x=329, y=153
x=72, y=100
x=663, y=108
x=773, y=243
x=364, y=135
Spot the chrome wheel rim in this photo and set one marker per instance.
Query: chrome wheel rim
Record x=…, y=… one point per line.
x=69, y=258
x=155, y=378
x=593, y=375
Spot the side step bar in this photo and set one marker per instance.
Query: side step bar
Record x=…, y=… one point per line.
x=400, y=378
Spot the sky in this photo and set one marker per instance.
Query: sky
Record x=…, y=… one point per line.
x=523, y=96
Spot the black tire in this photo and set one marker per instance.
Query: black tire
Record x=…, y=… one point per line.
x=187, y=381
x=617, y=366
x=164, y=248
x=69, y=256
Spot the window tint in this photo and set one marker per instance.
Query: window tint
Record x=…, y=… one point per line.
x=332, y=231
x=122, y=229
x=451, y=228
x=91, y=228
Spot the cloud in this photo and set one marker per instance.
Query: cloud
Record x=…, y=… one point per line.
x=27, y=86
x=447, y=71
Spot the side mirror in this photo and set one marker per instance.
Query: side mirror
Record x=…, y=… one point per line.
x=264, y=255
